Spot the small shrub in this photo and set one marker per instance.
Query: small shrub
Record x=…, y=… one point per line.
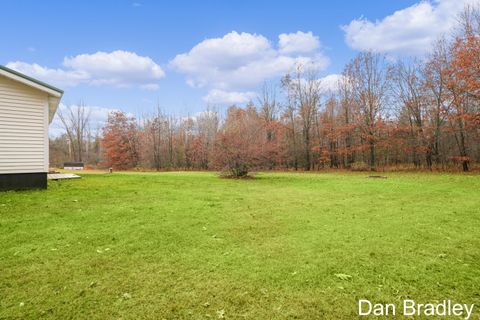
x=359, y=166
x=238, y=146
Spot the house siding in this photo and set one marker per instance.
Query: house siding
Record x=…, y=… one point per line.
x=23, y=128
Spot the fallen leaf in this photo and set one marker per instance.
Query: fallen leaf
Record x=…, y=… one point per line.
x=343, y=276
x=221, y=314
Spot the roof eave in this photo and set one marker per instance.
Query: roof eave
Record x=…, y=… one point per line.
x=54, y=94
x=29, y=81
x=53, y=103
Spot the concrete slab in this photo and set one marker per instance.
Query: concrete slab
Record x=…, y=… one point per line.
x=61, y=176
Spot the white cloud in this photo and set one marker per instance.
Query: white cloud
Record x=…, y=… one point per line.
x=409, y=31
x=300, y=42
x=326, y=85
x=57, y=77
x=202, y=116
x=150, y=86
x=97, y=119
x=329, y=83
x=118, y=68
x=243, y=60
x=216, y=96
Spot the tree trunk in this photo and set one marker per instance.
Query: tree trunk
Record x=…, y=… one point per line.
x=372, y=156
x=307, y=150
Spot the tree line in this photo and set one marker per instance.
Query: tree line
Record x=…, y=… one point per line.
x=384, y=113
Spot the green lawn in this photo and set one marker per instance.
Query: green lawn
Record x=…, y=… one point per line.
x=193, y=246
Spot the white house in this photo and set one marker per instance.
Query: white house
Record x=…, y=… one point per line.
x=27, y=106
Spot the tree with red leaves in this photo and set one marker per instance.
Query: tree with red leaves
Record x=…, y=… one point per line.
x=120, y=141
x=464, y=83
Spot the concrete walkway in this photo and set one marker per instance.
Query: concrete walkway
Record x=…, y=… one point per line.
x=60, y=176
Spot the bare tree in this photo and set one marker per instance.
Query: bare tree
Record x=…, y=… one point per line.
x=290, y=114
x=435, y=83
x=153, y=138
x=75, y=121
x=409, y=90
x=304, y=90
x=268, y=107
x=207, y=125
x=370, y=75
x=347, y=105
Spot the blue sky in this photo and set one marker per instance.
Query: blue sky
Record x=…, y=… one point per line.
x=128, y=54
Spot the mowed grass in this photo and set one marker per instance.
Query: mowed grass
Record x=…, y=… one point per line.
x=194, y=246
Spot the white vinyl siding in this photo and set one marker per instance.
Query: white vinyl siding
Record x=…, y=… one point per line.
x=23, y=128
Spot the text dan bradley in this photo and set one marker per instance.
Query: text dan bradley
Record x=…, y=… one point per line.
x=445, y=308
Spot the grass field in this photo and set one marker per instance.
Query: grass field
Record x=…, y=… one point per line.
x=281, y=246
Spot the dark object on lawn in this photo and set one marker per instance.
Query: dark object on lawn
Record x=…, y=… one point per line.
x=110, y=170
x=73, y=165
x=224, y=175
x=377, y=177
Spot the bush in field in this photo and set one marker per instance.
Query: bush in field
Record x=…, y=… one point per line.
x=239, y=144
x=359, y=166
